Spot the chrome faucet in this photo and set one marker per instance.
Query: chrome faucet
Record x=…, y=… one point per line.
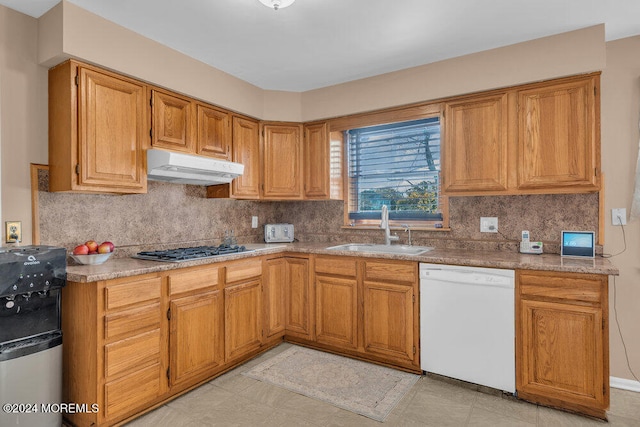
x=384, y=224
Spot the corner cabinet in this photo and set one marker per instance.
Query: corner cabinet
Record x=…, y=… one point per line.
x=562, y=340
x=541, y=138
x=282, y=161
x=97, y=131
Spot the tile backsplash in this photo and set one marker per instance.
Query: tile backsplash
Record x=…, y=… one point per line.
x=171, y=215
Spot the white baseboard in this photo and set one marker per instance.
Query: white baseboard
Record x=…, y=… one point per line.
x=624, y=384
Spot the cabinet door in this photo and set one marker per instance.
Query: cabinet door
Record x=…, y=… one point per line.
x=214, y=132
x=389, y=321
x=274, y=297
x=558, y=136
x=242, y=319
x=337, y=312
x=475, y=146
x=316, y=161
x=561, y=356
x=246, y=150
x=111, y=132
x=172, y=122
x=282, y=162
x=299, y=301
x=196, y=339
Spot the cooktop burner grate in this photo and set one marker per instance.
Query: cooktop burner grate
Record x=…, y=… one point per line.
x=188, y=254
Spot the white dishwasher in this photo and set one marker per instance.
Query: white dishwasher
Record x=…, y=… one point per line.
x=467, y=324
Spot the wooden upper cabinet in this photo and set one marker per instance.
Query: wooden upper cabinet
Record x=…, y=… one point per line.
x=282, y=161
x=316, y=161
x=475, y=147
x=558, y=135
x=246, y=150
x=214, y=132
x=97, y=129
x=172, y=121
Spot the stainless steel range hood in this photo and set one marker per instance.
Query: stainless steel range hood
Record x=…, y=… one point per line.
x=180, y=168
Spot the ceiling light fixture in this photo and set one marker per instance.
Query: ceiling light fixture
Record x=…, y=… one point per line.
x=277, y=4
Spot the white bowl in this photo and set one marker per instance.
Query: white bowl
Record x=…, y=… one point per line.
x=93, y=259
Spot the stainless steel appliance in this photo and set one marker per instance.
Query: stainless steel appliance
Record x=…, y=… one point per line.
x=278, y=233
x=189, y=254
x=467, y=324
x=31, y=280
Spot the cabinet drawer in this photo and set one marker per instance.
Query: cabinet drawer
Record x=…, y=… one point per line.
x=128, y=293
x=133, y=391
x=246, y=270
x=574, y=287
x=337, y=266
x=193, y=280
x=132, y=353
x=132, y=321
x=391, y=271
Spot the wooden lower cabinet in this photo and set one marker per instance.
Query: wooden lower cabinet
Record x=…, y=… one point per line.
x=196, y=330
x=388, y=311
x=299, y=299
x=337, y=311
x=242, y=309
x=133, y=343
x=115, y=340
x=562, y=341
x=274, y=288
x=196, y=340
x=368, y=309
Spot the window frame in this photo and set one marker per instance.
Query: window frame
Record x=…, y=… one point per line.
x=376, y=118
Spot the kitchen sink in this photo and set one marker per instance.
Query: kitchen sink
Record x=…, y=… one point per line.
x=382, y=249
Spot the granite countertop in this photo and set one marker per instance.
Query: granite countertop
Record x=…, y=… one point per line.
x=125, y=267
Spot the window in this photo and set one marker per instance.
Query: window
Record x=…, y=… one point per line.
x=397, y=165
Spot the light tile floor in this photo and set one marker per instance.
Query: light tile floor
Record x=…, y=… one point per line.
x=236, y=400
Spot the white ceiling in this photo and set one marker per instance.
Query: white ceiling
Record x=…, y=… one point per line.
x=317, y=43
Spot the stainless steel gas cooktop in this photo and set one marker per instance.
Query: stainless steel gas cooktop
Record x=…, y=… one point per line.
x=189, y=254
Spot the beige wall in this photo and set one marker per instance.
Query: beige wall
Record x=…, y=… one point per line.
x=561, y=55
x=620, y=115
x=23, y=115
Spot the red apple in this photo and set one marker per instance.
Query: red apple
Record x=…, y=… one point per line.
x=92, y=245
x=81, y=250
x=109, y=244
x=104, y=248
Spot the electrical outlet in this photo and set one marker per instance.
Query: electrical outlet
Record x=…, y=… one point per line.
x=619, y=216
x=254, y=222
x=489, y=224
x=13, y=231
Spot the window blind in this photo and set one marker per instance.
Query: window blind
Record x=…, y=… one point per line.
x=397, y=165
